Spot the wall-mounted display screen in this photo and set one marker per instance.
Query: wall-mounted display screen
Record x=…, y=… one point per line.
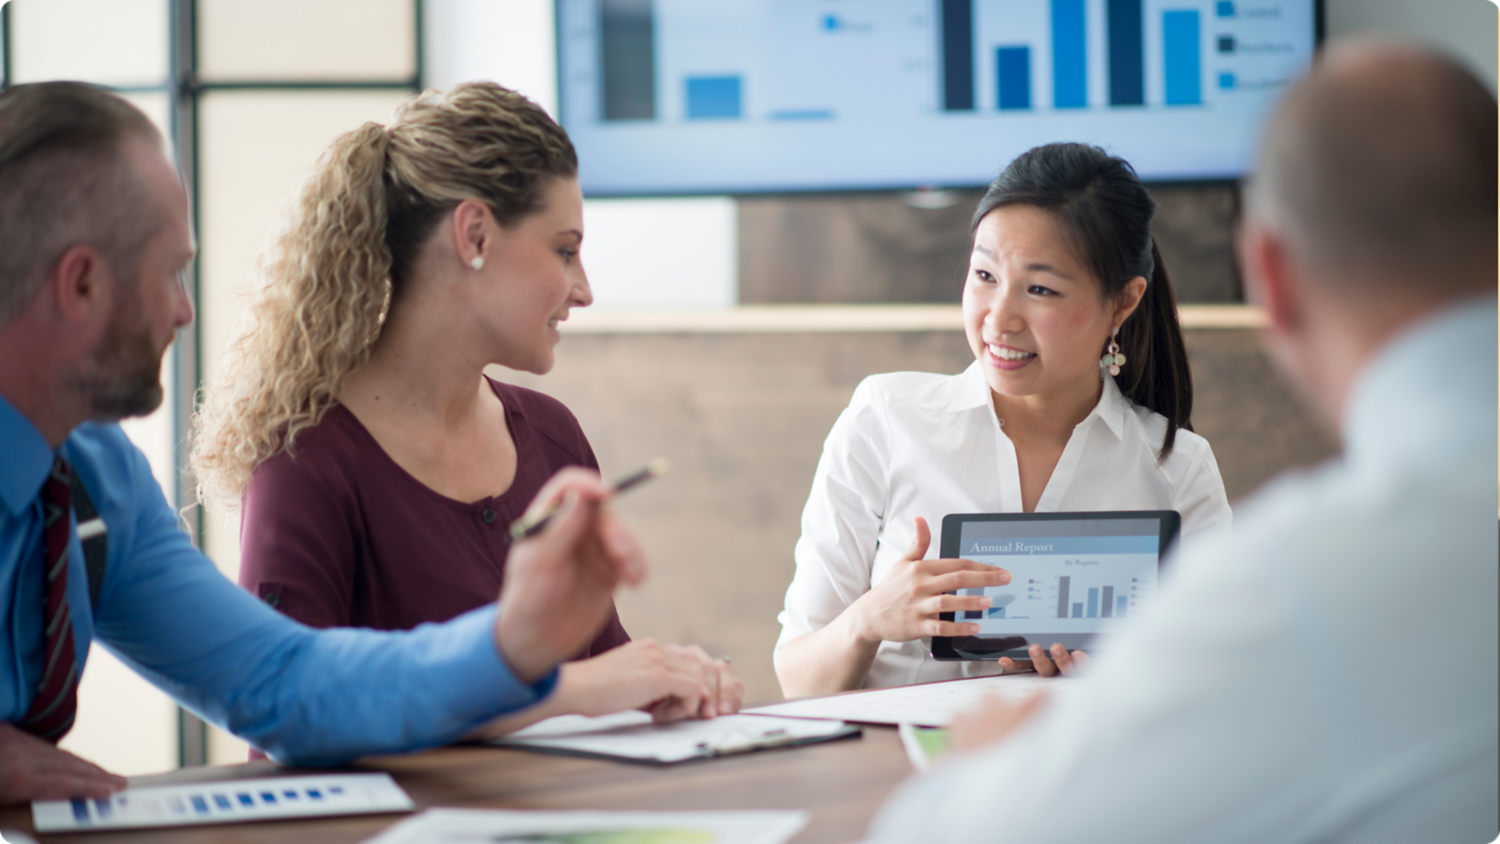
x=750, y=96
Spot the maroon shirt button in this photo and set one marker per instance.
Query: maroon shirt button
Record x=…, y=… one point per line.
x=488, y=515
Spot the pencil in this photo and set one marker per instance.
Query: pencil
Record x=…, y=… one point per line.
x=531, y=525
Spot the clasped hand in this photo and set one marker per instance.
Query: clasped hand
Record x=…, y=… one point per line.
x=672, y=682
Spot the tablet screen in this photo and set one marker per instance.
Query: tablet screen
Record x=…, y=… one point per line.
x=1073, y=575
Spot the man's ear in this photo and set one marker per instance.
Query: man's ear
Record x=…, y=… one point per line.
x=1269, y=275
x=78, y=286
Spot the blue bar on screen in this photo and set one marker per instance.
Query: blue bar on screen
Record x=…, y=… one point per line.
x=1127, y=71
x=199, y=804
x=222, y=802
x=246, y=800
x=81, y=811
x=1094, y=602
x=713, y=97
x=1120, y=607
x=1069, y=52
x=1182, y=56
x=1013, y=72
x=958, y=55
x=1078, y=610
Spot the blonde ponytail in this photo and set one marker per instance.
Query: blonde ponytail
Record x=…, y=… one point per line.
x=345, y=247
x=325, y=285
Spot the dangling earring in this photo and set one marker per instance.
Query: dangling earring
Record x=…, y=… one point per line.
x=1112, y=359
x=477, y=263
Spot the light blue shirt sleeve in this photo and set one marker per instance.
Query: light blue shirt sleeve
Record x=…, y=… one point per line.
x=304, y=696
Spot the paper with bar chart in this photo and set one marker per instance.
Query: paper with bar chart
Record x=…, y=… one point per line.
x=228, y=801
x=687, y=96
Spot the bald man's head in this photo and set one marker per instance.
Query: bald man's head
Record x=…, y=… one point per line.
x=1379, y=169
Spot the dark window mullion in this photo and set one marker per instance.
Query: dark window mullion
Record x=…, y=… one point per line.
x=182, y=63
x=418, y=77
x=5, y=51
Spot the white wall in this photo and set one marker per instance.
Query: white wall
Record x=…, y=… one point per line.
x=1464, y=28
x=639, y=253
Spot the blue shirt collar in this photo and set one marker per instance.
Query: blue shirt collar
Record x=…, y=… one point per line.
x=28, y=458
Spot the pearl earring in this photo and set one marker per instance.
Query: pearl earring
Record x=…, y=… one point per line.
x=477, y=263
x=1112, y=359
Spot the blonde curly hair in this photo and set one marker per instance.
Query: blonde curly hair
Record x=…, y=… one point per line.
x=343, y=253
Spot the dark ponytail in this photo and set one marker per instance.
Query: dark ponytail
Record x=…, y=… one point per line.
x=1162, y=381
x=1103, y=208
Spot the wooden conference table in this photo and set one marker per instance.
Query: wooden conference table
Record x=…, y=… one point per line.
x=839, y=783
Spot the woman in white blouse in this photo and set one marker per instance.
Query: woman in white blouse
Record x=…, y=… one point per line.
x=1063, y=270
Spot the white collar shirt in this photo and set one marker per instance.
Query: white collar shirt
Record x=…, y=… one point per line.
x=1328, y=674
x=918, y=444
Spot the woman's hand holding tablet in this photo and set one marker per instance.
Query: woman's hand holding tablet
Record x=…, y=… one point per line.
x=905, y=605
x=1048, y=663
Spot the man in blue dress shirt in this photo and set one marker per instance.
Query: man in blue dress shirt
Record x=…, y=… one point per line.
x=1330, y=673
x=93, y=235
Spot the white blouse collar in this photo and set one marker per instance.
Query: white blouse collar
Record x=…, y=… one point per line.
x=972, y=392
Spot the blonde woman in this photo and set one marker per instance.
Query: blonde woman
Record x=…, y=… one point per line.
x=377, y=465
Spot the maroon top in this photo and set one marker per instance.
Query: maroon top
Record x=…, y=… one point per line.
x=341, y=536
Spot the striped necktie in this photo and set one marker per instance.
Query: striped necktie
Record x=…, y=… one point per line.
x=52, y=710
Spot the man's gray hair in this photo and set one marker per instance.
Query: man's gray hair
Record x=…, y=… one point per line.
x=65, y=181
x=1380, y=168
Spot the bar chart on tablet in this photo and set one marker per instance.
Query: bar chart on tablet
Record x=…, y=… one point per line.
x=1062, y=584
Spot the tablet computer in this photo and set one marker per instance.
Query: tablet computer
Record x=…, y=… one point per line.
x=1073, y=575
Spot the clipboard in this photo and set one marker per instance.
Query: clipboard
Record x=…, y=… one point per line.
x=632, y=737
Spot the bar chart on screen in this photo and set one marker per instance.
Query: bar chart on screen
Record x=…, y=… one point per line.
x=775, y=85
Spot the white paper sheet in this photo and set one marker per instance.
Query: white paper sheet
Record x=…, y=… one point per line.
x=230, y=801
x=631, y=735
x=928, y=704
x=489, y=826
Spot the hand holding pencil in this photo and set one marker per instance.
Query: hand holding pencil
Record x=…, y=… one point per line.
x=562, y=573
